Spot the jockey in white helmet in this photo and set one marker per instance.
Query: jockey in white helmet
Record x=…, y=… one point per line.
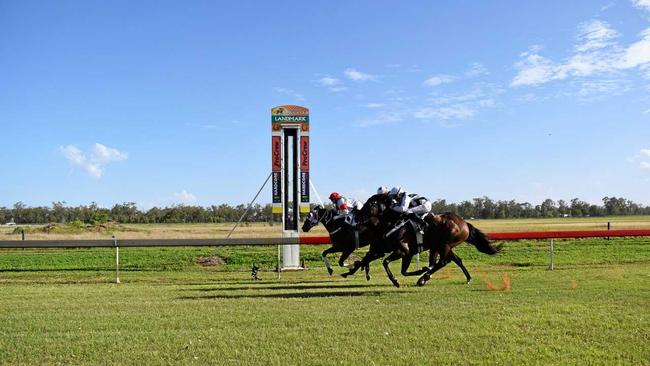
x=382, y=190
x=411, y=204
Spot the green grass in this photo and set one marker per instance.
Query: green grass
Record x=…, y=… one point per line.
x=59, y=306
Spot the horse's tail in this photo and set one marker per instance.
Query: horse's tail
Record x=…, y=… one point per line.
x=481, y=242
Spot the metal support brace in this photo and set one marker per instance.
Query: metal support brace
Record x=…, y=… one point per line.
x=249, y=205
x=311, y=183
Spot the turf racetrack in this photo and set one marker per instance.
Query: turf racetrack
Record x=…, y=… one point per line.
x=59, y=307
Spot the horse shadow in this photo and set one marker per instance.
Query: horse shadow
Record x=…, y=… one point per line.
x=285, y=295
x=285, y=287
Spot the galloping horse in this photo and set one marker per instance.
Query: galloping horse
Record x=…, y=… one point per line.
x=442, y=233
x=344, y=237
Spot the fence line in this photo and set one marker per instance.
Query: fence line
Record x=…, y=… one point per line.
x=305, y=240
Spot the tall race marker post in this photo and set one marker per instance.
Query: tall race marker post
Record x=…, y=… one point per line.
x=290, y=172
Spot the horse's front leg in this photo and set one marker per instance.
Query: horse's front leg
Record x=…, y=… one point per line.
x=326, y=261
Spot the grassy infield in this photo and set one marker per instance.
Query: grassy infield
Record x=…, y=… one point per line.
x=59, y=306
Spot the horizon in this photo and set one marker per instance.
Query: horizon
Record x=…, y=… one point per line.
x=264, y=204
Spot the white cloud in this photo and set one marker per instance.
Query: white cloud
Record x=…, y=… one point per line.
x=381, y=118
x=103, y=154
x=73, y=154
x=534, y=70
x=373, y=105
x=438, y=80
x=594, y=34
x=643, y=158
x=329, y=81
x=607, y=6
x=456, y=111
x=356, y=75
x=642, y=4
x=476, y=70
x=100, y=156
x=464, y=106
x=290, y=92
x=337, y=89
x=590, y=88
x=637, y=54
x=596, y=53
x=439, y=107
x=185, y=197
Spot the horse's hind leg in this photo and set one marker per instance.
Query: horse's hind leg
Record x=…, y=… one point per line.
x=326, y=261
x=406, y=262
x=459, y=262
x=367, y=267
x=393, y=256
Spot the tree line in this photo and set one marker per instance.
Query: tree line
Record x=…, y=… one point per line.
x=478, y=208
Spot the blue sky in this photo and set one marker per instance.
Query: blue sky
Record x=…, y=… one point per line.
x=162, y=102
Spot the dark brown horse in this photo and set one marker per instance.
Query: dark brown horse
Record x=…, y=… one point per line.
x=344, y=237
x=442, y=233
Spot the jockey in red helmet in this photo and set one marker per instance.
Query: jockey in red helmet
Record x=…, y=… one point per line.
x=340, y=202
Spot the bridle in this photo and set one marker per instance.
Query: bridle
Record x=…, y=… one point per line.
x=314, y=218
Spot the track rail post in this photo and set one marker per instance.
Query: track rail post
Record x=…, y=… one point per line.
x=278, y=268
x=551, y=254
x=117, y=260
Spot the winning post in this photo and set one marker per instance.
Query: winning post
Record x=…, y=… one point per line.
x=290, y=173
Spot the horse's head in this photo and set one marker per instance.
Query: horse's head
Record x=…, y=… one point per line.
x=374, y=208
x=314, y=217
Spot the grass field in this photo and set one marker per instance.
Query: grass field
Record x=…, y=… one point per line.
x=60, y=306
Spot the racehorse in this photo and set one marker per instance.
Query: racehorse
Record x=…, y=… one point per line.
x=344, y=237
x=442, y=233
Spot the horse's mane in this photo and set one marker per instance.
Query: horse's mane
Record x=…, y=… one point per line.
x=383, y=203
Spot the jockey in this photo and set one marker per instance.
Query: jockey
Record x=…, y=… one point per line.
x=340, y=202
x=411, y=204
x=383, y=190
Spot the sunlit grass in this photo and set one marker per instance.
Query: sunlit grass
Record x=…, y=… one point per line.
x=61, y=306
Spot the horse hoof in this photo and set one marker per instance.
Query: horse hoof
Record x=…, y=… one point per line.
x=330, y=271
x=469, y=282
x=344, y=275
x=368, y=278
x=422, y=281
x=396, y=284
